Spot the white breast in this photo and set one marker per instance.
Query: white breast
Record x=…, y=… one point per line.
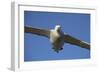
x=53, y=35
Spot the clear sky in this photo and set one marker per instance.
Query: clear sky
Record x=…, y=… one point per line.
x=38, y=48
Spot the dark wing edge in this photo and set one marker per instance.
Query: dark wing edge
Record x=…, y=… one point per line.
x=37, y=31
x=71, y=40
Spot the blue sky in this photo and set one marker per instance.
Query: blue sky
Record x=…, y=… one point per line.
x=37, y=48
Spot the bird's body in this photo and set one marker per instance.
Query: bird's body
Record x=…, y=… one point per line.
x=57, y=37
x=57, y=40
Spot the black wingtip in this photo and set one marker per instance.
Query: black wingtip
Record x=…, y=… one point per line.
x=85, y=45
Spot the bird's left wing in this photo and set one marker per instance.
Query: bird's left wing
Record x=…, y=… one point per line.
x=71, y=40
x=37, y=31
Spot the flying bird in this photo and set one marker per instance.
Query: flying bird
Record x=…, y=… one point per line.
x=57, y=37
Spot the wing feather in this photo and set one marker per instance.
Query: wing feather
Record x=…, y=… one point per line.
x=71, y=40
x=37, y=31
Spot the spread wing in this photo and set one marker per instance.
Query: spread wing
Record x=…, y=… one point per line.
x=37, y=31
x=71, y=40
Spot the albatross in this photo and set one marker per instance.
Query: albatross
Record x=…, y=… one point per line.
x=57, y=37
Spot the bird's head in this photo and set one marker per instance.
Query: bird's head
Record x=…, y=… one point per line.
x=57, y=27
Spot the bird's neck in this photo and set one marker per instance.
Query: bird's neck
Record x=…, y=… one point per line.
x=58, y=30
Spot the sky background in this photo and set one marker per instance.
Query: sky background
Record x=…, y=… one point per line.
x=38, y=48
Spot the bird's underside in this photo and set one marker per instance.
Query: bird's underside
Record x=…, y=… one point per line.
x=66, y=38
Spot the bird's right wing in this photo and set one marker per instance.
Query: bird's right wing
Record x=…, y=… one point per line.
x=71, y=40
x=37, y=31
